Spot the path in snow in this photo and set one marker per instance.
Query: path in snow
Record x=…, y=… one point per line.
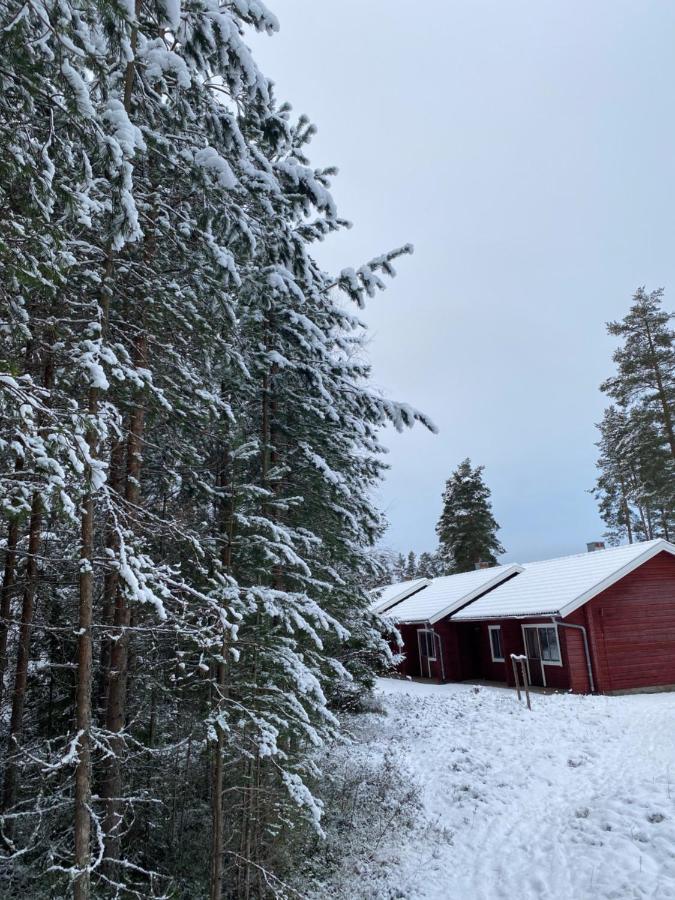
x=574, y=800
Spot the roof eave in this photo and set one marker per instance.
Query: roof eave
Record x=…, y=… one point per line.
x=520, y=615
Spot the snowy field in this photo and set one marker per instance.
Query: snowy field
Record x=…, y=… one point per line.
x=574, y=800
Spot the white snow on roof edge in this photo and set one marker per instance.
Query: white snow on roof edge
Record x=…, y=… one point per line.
x=387, y=596
x=448, y=593
x=558, y=587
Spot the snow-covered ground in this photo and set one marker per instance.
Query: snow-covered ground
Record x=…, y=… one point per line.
x=573, y=800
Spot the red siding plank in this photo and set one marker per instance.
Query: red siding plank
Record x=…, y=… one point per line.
x=634, y=626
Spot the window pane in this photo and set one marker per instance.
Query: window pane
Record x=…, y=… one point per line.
x=555, y=648
x=531, y=643
x=549, y=644
x=496, y=638
x=543, y=640
x=427, y=643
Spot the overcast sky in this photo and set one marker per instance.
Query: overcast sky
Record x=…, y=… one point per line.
x=527, y=150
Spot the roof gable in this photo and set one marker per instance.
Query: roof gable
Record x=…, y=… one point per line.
x=444, y=595
x=558, y=587
x=385, y=597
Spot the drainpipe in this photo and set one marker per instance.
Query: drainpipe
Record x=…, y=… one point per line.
x=582, y=629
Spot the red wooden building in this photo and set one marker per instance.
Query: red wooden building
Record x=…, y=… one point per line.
x=601, y=621
x=423, y=618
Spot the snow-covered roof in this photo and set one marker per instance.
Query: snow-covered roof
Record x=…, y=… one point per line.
x=559, y=586
x=387, y=596
x=444, y=595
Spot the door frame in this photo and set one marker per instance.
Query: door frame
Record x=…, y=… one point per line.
x=542, y=662
x=438, y=650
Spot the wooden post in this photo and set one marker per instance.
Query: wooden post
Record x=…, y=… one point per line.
x=515, y=674
x=526, y=683
x=522, y=660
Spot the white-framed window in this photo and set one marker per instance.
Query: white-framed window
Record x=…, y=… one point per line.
x=496, y=649
x=550, y=648
x=427, y=640
x=541, y=642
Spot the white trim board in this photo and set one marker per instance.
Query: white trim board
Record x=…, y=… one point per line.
x=496, y=659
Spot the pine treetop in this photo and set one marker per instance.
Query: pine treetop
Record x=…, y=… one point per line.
x=467, y=529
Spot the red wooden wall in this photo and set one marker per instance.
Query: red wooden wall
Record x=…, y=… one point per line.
x=512, y=642
x=632, y=628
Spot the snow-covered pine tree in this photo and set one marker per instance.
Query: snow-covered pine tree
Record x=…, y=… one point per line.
x=636, y=485
x=303, y=520
x=411, y=565
x=467, y=530
x=430, y=565
x=645, y=362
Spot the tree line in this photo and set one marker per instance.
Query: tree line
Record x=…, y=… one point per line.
x=188, y=444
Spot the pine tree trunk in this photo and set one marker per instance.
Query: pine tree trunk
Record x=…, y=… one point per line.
x=8, y=578
x=247, y=823
x=626, y=511
x=664, y=524
x=650, y=525
x=11, y=782
x=217, y=819
x=82, y=883
x=111, y=577
x=226, y=484
x=119, y=656
x=9, y=571
x=10, y=787
x=251, y=811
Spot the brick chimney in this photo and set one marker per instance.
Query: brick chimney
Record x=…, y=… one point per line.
x=595, y=545
x=483, y=565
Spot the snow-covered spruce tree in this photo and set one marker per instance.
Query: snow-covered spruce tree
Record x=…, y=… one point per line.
x=430, y=565
x=296, y=493
x=467, y=530
x=189, y=441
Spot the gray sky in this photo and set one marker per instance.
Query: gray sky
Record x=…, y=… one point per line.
x=526, y=149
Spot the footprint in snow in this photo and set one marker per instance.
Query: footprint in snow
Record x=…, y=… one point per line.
x=655, y=818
